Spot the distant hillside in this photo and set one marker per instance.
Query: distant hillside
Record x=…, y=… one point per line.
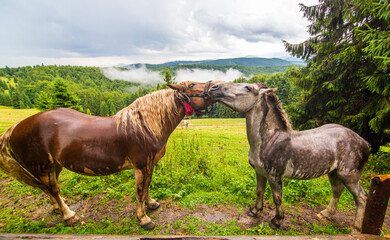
x=250, y=61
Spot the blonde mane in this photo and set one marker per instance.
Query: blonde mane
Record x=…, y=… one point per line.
x=151, y=113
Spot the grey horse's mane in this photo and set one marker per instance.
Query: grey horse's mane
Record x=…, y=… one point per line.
x=275, y=104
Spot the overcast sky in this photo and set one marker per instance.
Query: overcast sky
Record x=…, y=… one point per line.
x=111, y=32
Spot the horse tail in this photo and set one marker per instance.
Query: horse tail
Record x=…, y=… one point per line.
x=10, y=165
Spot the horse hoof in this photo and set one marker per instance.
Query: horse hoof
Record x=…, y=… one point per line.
x=323, y=215
x=153, y=206
x=250, y=213
x=149, y=226
x=355, y=231
x=56, y=211
x=71, y=221
x=274, y=224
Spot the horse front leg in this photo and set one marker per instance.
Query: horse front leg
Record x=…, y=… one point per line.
x=337, y=189
x=143, y=178
x=260, y=190
x=277, y=192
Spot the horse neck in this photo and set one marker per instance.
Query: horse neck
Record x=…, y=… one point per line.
x=148, y=116
x=254, y=118
x=167, y=131
x=263, y=122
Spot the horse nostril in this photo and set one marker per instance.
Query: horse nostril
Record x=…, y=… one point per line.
x=215, y=87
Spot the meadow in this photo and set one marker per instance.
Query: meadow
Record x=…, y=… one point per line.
x=204, y=185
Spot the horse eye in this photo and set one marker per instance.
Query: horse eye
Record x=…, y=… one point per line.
x=248, y=88
x=192, y=85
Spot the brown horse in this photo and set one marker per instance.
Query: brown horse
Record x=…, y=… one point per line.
x=35, y=150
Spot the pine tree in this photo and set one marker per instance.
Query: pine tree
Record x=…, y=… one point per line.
x=104, y=111
x=334, y=83
x=63, y=98
x=44, y=101
x=168, y=78
x=111, y=107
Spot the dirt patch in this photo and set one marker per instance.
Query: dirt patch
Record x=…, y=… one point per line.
x=299, y=218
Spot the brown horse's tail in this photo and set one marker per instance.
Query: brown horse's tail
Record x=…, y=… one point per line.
x=10, y=165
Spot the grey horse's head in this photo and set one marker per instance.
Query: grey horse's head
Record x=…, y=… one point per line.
x=241, y=97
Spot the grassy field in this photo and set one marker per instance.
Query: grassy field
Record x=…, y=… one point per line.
x=9, y=116
x=204, y=184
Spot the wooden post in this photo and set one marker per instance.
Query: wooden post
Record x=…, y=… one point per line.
x=376, y=206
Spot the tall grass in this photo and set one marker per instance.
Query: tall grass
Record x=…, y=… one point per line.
x=191, y=174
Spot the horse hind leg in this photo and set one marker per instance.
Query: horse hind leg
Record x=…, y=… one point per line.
x=53, y=189
x=337, y=189
x=52, y=200
x=142, y=180
x=360, y=197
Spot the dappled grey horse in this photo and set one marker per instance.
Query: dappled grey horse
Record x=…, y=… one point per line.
x=276, y=151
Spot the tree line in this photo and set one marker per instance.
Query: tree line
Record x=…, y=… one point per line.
x=87, y=90
x=82, y=88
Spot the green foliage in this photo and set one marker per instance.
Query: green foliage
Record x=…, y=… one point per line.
x=19, y=99
x=379, y=162
x=62, y=98
x=5, y=99
x=168, y=78
x=104, y=111
x=287, y=92
x=86, y=88
x=346, y=79
x=222, y=111
x=44, y=101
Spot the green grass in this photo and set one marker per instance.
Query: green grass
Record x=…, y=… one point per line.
x=9, y=116
x=204, y=164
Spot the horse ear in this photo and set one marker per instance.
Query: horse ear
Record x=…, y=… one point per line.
x=175, y=86
x=268, y=90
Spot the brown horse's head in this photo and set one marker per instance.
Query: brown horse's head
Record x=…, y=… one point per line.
x=195, y=94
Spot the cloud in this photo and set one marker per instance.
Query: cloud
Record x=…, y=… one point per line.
x=146, y=31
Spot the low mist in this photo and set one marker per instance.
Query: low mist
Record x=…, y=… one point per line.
x=137, y=75
x=147, y=77
x=204, y=75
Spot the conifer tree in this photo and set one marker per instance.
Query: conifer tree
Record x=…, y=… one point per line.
x=63, y=98
x=337, y=83
x=44, y=101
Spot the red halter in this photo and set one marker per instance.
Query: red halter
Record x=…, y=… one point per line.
x=189, y=110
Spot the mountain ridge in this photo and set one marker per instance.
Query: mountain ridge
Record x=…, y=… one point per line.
x=242, y=61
